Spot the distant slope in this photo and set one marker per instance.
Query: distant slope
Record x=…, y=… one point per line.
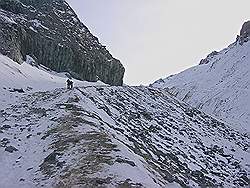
x=111, y=137
x=220, y=85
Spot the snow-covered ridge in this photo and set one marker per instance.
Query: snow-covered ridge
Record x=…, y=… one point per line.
x=103, y=136
x=219, y=85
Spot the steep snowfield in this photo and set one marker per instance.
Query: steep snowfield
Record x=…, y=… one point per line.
x=102, y=136
x=220, y=87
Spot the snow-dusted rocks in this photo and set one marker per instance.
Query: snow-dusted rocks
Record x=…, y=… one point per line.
x=117, y=137
x=218, y=86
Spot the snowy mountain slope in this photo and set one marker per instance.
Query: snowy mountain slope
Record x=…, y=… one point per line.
x=102, y=136
x=29, y=78
x=218, y=86
x=115, y=137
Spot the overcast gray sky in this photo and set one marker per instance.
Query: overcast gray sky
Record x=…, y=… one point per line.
x=157, y=38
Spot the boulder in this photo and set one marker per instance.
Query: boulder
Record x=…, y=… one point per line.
x=11, y=149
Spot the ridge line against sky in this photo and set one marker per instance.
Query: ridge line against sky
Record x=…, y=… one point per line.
x=154, y=39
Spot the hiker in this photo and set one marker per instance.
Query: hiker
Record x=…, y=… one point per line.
x=69, y=84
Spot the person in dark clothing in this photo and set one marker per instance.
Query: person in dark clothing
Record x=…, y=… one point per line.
x=69, y=84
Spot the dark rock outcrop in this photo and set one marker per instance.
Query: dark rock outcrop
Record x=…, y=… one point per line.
x=208, y=58
x=245, y=30
x=244, y=33
x=51, y=33
x=11, y=149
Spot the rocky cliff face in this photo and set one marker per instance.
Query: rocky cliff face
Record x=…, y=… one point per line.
x=50, y=32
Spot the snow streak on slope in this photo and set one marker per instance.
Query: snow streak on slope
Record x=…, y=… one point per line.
x=219, y=87
x=117, y=137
